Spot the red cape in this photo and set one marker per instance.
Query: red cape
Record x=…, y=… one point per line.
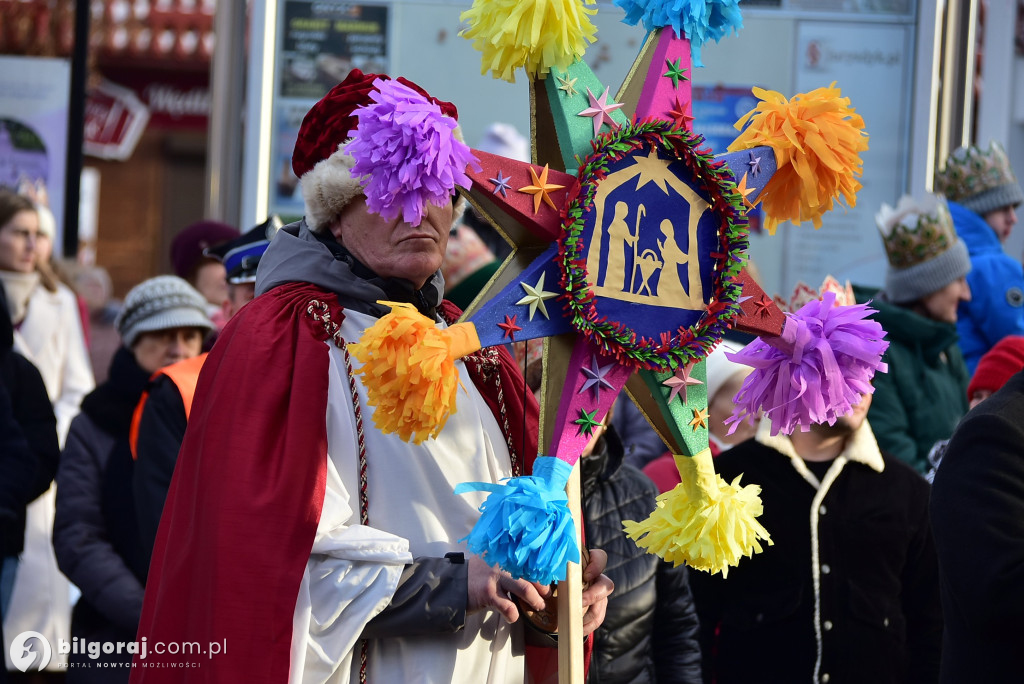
x=248, y=488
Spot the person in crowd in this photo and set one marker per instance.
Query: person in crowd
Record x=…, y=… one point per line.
x=977, y=514
x=650, y=631
x=324, y=573
x=983, y=195
x=162, y=415
x=920, y=400
x=848, y=592
x=96, y=289
x=48, y=332
x=35, y=425
x=204, y=272
x=468, y=266
x=95, y=533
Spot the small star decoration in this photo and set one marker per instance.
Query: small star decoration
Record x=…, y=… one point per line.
x=700, y=419
x=535, y=297
x=500, y=184
x=742, y=188
x=586, y=422
x=510, y=327
x=675, y=72
x=596, y=378
x=680, y=381
x=679, y=115
x=755, y=164
x=600, y=111
x=541, y=189
x=763, y=306
x=567, y=85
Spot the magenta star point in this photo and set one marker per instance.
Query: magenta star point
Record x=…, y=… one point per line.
x=755, y=164
x=600, y=111
x=596, y=378
x=680, y=381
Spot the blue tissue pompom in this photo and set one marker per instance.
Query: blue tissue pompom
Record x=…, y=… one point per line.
x=698, y=20
x=525, y=527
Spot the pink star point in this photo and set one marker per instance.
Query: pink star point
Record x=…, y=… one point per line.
x=680, y=381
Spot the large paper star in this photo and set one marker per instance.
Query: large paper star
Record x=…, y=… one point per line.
x=600, y=111
x=541, y=189
x=596, y=378
x=500, y=184
x=587, y=422
x=567, y=85
x=535, y=297
x=651, y=169
x=700, y=419
x=675, y=71
x=680, y=381
x=510, y=327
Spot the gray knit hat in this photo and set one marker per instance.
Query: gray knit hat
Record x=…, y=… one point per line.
x=161, y=303
x=980, y=180
x=925, y=255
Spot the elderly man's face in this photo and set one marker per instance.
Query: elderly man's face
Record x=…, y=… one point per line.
x=393, y=248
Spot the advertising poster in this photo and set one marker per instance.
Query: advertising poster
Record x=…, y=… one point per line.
x=34, y=94
x=319, y=44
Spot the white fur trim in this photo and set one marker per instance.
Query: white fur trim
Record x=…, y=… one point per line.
x=328, y=187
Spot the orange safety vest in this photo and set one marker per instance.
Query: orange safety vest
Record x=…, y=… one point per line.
x=185, y=376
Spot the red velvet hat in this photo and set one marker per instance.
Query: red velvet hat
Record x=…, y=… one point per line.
x=1000, y=363
x=319, y=159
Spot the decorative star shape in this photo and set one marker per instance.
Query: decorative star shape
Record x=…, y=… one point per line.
x=567, y=85
x=651, y=169
x=586, y=422
x=535, y=297
x=675, y=72
x=763, y=306
x=541, y=189
x=500, y=184
x=680, y=381
x=600, y=111
x=742, y=188
x=510, y=327
x=700, y=419
x=755, y=164
x=596, y=378
x=679, y=115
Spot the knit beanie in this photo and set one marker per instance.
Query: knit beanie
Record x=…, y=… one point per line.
x=505, y=140
x=161, y=303
x=1000, y=363
x=319, y=159
x=188, y=246
x=924, y=252
x=980, y=180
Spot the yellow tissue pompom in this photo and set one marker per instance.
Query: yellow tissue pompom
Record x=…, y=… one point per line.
x=817, y=138
x=535, y=34
x=409, y=371
x=704, y=522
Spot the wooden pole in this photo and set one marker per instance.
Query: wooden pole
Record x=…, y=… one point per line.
x=570, y=599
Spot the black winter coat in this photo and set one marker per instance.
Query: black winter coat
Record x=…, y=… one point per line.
x=978, y=519
x=870, y=599
x=27, y=474
x=650, y=631
x=95, y=534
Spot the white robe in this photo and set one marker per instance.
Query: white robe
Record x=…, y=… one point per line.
x=353, y=570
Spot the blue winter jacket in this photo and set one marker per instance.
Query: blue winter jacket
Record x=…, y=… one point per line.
x=996, y=308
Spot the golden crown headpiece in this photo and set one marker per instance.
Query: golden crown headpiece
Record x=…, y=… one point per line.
x=916, y=230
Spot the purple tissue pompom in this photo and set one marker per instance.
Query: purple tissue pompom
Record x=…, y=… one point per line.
x=816, y=371
x=406, y=151
x=697, y=20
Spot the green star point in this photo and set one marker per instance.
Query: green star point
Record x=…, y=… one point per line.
x=675, y=72
x=587, y=422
